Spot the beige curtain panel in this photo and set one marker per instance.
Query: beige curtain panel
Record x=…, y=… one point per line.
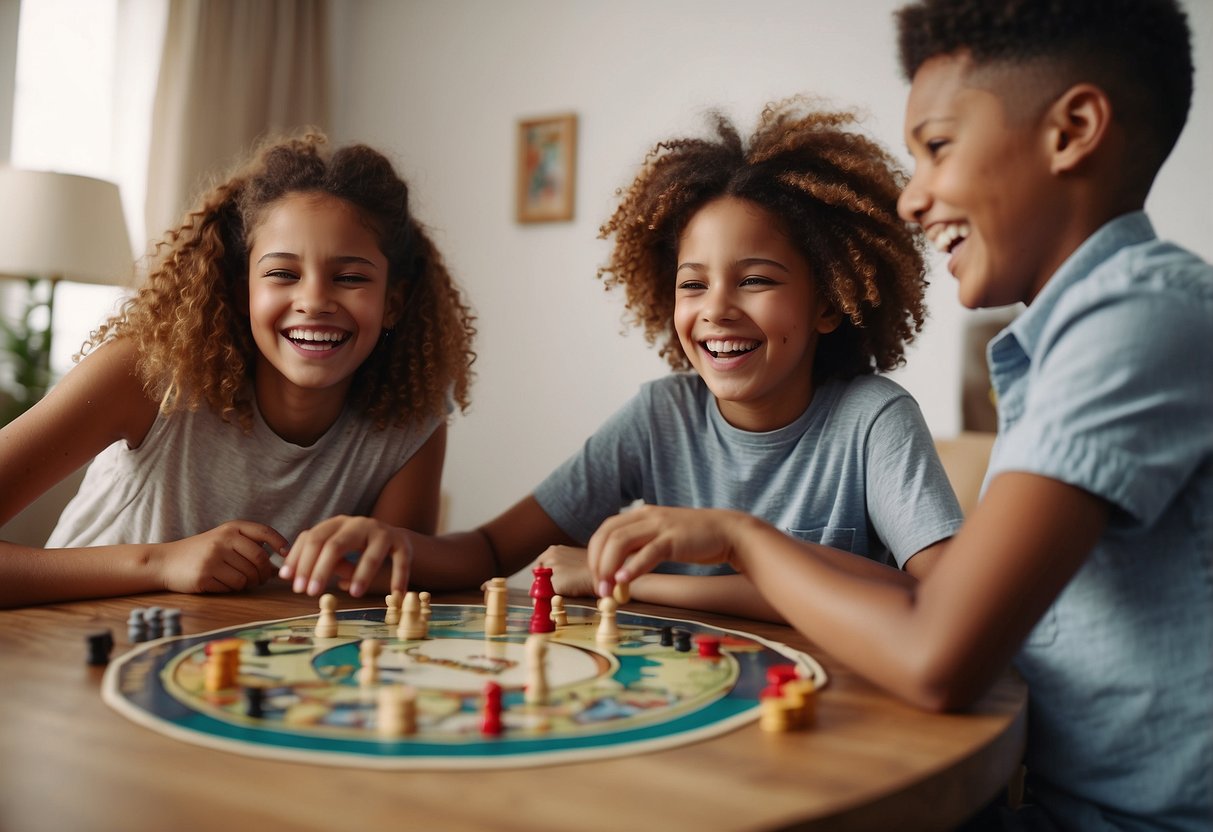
x=232, y=72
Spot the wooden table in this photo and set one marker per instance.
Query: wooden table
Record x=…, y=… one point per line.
x=69, y=762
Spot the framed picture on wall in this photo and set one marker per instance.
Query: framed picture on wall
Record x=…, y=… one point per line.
x=547, y=157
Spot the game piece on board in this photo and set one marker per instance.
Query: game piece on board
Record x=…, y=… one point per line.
x=136, y=627
x=172, y=622
x=490, y=724
x=667, y=636
x=709, y=646
x=560, y=616
x=536, y=669
x=608, y=630
x=541, y=593
x=100, y=643
x=222, y=664
x=262, y=647
x=152, y=617
x=682, y=640
x=326, y=623
x=397, y=710
x=622, y=593
x=393, y=601
x=368, y=653
x=254, y=701
x=424, y=599
x=495, y=607
x=411, y=626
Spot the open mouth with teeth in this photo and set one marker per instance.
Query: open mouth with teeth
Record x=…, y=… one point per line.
x=316, y=340
x=947, y=237
x=729, y=349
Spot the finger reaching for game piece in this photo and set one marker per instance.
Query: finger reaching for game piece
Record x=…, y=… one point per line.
x=636, y=541
x=621, y=592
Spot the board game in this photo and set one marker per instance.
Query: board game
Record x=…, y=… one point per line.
x=633, y=695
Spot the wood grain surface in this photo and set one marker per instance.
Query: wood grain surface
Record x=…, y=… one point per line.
x=69, y=762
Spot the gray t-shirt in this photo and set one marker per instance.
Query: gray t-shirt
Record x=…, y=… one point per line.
x=856, y=471
x=194, y=472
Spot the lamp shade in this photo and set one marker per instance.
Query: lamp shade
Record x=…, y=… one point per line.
x=62, y=226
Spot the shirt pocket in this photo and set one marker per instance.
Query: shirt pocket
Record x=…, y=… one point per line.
x=835, y=537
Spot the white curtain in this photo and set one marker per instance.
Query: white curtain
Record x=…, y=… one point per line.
x=232, y=72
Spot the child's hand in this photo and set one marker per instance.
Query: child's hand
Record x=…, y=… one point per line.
x=634, y=542
x=570, y=570
x=318, y=552
x=227, y=558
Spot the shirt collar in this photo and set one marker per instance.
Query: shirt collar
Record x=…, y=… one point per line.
x=1126, y=230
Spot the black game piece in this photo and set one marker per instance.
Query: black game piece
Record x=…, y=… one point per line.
x=136, y=627
x=682, y=641
x=667, y=636
x=172, y=622
x=100, y=644
x=262, y=646
x=254, y=702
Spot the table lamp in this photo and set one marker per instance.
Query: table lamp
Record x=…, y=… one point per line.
x=53, y=227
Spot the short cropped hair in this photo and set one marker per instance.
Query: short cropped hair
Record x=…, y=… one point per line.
x=1139, y=52
x=834, y=193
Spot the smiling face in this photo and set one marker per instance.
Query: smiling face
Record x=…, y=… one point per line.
x=982, y=189
x=318, y=298
x=747, y=313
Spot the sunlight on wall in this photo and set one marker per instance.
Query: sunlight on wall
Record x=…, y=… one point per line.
x=85, y=77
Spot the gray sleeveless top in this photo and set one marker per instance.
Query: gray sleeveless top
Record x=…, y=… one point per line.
x=194, y=472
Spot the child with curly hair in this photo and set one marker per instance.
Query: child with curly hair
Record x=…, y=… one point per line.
x=298, y=319
x=1037, y=128
x=778, y=271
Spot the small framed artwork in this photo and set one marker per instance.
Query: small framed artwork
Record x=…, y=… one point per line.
x=547, y=157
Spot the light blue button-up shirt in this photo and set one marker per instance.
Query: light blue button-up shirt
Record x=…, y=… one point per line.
x=1106, y=383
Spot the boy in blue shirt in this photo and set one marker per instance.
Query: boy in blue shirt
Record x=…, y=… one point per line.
x=1037, y=128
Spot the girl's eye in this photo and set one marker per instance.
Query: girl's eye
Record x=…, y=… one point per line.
x=757, y=280
x=281, y=275
x=692, y=285
x=934, y=146
x=352, y=278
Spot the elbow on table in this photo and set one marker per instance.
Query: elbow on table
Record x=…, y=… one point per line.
x=943, y=684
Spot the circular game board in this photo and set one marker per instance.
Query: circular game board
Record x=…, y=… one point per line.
x=605, y=700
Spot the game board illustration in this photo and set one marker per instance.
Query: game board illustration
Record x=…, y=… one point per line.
x=303, y=698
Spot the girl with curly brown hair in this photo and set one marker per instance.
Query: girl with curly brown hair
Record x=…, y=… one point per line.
x=778, y=270
x=293, y=354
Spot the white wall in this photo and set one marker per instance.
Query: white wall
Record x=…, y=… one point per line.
x=440, y=84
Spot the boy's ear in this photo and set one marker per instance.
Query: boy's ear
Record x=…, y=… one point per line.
x=1078, y=123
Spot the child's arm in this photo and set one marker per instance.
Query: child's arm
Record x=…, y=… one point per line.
x=98, y=403
x=938, y=642
x=461, y=560
x=726, y=594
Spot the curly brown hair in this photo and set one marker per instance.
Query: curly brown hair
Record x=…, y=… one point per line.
x=197, y=286
x=835, y=192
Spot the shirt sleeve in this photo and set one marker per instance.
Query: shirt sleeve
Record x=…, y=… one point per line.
x=911, y=504
x=1120, y=397
x=601, y=478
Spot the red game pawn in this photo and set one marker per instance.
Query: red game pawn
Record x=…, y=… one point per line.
x=491, y=724
x=709, y=646
x=542, y=592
